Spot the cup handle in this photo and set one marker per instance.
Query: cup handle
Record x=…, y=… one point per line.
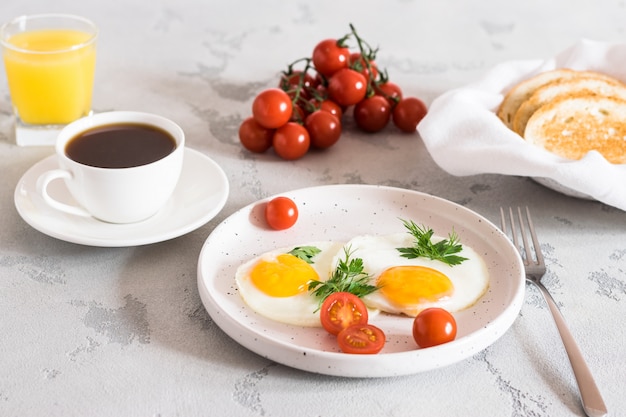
x=42, y=188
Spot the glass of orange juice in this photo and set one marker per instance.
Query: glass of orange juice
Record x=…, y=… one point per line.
x=50, y=64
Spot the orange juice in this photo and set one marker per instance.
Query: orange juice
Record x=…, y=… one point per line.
x=50, y=75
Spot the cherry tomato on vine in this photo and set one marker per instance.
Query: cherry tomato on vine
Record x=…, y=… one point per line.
x=324, y=129
x=281, y=213
x=298, y=114
x=341, y=310
x=408, y=113
x=329, y=56
x=255, y=137
x=361, y=338
x=372, y=114
x=296, y=79
x=434, y=326
x=272, y=108
x=391, y=91
x=358, y=63
x=347, y=87
x=332, y=108
x=291, y=141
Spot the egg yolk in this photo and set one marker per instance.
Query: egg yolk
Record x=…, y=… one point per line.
x=413, y=285
x=284, y=277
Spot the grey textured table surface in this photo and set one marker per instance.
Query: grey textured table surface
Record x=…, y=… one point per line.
x=122, y=331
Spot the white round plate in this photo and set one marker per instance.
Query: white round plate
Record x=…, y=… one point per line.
x=195, y=201
x=339, y=212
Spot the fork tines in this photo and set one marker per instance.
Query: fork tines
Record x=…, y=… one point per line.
x=524, y=248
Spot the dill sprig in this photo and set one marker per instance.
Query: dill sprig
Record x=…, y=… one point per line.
x=444, y=250
x=348, y=276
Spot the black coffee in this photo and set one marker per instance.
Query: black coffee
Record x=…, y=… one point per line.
x=120, y=145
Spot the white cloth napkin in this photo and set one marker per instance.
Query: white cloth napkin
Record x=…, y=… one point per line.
x=465, y=137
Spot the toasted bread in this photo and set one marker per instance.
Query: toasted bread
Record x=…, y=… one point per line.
x=573, y=126
x=580, y=85
x=523, y=90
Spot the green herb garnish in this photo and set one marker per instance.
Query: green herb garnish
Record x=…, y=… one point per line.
x=348, y=276
x=443, y=250
x=306, y=253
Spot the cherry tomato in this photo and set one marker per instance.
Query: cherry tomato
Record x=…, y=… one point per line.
x=391, y=91
x=255, y=137
x=324, y=129
x=281, y=213
x=341, y=310
x=434, y=326
x=408, y=113
x=361, y=338
x=296, y=79
x=329, y=56
x=291, y=141
x=347, y=87
x=358, y=63
x=272, y=108
x=298, y=114
x=372, y=114
x=331, y=107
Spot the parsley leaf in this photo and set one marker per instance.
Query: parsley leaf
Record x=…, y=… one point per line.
x=348, y=276
x=444, y=250
x=306, y=253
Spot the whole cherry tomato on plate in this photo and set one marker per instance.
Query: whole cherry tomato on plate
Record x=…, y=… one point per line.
x=434, y=326
x=281, y=213
x=341, y=310
x=272, y=108
x=361, y=338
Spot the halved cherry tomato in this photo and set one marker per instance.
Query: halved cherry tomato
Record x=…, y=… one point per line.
x=372, y=114
x=361, y=338
x=434, y=326
x=272, y=108
x=255, y=137
x=408, y=113
x=347, y=87
x=281, y=213
x=340, y=310
x=329, y=56
x=324, y=129
x=291, y=141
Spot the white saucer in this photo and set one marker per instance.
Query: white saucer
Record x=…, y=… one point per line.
x=195, y=201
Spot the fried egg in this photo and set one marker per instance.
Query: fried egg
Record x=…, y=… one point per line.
x=407, y=286
x=275, y=284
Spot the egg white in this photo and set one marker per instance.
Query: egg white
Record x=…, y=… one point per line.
x=300, y=309
x=470, y=278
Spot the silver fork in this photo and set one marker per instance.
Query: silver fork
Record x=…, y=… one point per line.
x=535, y=268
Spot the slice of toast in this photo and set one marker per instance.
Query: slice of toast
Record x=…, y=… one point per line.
x=524, y=89
x=585, y=83
x=572, y=126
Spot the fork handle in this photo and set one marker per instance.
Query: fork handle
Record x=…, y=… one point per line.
x=592, y=401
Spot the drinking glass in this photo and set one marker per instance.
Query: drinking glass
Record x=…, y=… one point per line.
x=50, y=64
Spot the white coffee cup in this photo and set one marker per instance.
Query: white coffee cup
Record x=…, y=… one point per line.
x=115, y=195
